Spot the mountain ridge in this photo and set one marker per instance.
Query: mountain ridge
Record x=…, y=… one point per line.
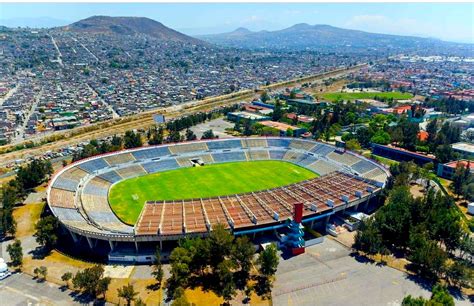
x=129, y=26
x=304, y=36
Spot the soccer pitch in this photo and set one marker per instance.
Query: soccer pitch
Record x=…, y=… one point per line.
x=334, y=96
x=127, y=197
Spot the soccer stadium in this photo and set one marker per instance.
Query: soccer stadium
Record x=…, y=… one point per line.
x=162, y=193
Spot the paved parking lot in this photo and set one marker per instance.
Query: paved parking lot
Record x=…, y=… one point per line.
x=21, y=289
x=218, y=126
x=327, y=275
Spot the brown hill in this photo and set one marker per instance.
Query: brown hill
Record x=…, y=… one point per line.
x=129, y=26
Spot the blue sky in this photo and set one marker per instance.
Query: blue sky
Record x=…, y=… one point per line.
x=453, y=22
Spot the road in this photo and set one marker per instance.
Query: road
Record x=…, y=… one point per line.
x=21, y=129
x=9, y=94
x=60, y=56
x=87, y=49
x=107, y=105
x=21, y=289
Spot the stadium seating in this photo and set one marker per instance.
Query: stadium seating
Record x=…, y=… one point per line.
x=376, y=174
x=302, y=145
x=61, y=198
x=293, y=156
x=306, y=159
x=111, y=176
x=118, y=159
x=322, y=149
x=227, y=144
x=67, y=214
x=258, y=155
x=131, y=171
x=188, y=147
x=277, y=154
x=228, y=156
x=74, y=173
x=279, y=143
x=254, y=143
x=151, y=153
x=66, y=183
x=161, y=165
x=363, y=166
x=97, y=186
x=94, y=165
x=344, y=158
x=184, y=161
x=322, y=167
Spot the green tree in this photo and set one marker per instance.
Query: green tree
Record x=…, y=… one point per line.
x=132, y=140
x=243, y=252
x=128, y=293
x=180, y=298
x=427, y=256
x=277, y=111
x=412, y=301
x=225, y=284
x=46, y=232
x=190, y=135
x=41, y=273
x=91, y=280
x=16, y=253
x=353, y=145
x=180, y=260
x=209, y=134
x=158, y=267
x=440, y=296
x=220, y=245
x=368, y=238
x=66, y=277
x=9, y=199
x=381, y=137
x=460, y=177
x=289, y=132
x=268, y=261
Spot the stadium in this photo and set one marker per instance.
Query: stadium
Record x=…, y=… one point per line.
x=144, y=210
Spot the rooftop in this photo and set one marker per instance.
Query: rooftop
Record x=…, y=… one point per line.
x=463, y=146
x=463, y=162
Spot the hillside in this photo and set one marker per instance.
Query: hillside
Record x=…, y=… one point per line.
x=305, y=36
x=129, y=26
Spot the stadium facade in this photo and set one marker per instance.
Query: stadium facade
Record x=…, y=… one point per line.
x=78, y=194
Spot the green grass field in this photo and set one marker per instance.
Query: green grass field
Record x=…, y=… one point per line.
x=333, y=96
x=128, y=197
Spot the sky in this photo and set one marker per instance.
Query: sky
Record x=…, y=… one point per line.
x=447, y=21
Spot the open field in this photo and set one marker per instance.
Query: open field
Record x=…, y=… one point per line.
x=128, y=197
x=333, y=96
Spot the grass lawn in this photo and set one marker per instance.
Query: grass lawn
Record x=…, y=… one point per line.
x=333, y=96
x=128, y=197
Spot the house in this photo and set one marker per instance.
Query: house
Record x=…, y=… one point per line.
x=283, y=127
x=238, y=116
x=447, y=170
